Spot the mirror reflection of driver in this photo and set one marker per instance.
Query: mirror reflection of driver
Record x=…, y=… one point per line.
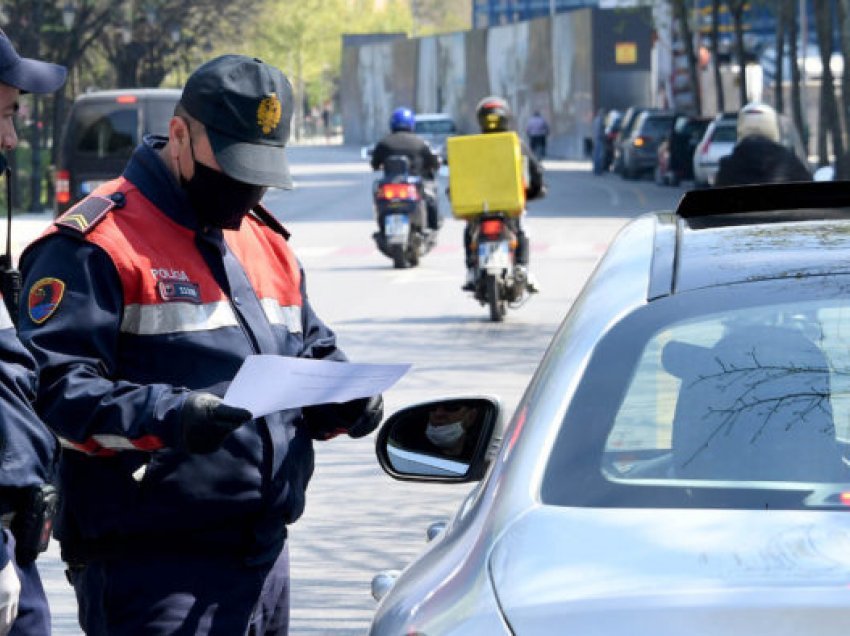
x=447, y=430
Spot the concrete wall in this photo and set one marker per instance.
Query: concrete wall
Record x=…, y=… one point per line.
x=545, y=64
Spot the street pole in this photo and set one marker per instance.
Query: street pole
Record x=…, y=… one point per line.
x=35, y=137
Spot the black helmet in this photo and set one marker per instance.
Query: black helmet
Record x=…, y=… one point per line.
x=494, y=114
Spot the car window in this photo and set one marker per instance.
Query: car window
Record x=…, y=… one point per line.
x=104, y=131
x=656, y=126
x=725, y=134
x=159, y=114
x=749, y=395
x=435, y=127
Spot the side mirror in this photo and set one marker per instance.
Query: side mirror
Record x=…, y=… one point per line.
x=445, y=440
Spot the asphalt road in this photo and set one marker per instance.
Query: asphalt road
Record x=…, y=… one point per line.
x=358, y=521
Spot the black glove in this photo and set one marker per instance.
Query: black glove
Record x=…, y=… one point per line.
x=357, y=418
x=205, y=422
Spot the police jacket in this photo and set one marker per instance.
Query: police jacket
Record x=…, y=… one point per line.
x=129, y=306
x=27, y=447
x=756, y=159
x=423, y=162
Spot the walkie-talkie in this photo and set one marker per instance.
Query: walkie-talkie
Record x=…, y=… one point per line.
x=10, y=278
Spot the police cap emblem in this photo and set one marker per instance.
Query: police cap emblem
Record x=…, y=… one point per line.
x=268, y=113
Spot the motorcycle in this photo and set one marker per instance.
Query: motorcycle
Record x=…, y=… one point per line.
x=499, y=283
x=401, y=212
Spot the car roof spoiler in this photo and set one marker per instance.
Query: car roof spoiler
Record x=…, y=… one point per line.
x=775, y=198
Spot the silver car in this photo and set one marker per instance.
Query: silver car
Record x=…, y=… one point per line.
x=717, y=142
x=678, y=463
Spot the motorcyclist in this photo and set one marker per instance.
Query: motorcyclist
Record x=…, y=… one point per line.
x=758, y=156
x=494, y=115
x=423, y=162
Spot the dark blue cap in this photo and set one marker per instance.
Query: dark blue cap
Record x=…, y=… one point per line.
x=246, y=107
x=28, y=75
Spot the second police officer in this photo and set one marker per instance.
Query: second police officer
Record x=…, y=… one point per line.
x=142, y=303
x=28, y=450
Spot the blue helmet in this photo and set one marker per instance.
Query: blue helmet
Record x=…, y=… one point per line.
x=402, y=119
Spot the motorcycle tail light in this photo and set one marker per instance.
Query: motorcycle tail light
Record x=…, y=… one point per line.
x=491, y=227
x=63, y=186
x=395, y=191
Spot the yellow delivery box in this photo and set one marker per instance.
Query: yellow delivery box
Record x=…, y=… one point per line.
x=485, y=174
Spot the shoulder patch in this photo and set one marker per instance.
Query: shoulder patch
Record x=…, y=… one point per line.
x=267, y=218
x=84, y=216
x=44, y=298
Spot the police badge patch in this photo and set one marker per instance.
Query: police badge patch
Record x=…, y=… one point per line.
x=44, y=298
x=179, y=291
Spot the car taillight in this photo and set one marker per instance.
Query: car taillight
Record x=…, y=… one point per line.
x=394, y=191
x=845, y=498
x=704, y=149
x=491, y=227
x=639, y=141
x=63, y=186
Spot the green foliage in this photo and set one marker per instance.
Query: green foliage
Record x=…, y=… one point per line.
x=304, y=37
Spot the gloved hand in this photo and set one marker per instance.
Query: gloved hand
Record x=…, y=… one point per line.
x=357, y=417
x=10, y=592
x=205, y=422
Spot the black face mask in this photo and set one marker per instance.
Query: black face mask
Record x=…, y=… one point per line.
x=219, y=200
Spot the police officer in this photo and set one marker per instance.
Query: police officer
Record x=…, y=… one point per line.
x=494, y=115
x=423, y=162
x=759, y=156
x=27, y=448
x=143, y=301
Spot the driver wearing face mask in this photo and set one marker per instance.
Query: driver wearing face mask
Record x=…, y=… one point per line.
x=141, y=303
x=447, y=430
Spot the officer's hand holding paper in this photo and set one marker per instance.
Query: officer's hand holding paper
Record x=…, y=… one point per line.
x=266, y=384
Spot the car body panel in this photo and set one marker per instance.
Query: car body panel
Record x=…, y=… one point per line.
x=654, y=570
x=644, y=564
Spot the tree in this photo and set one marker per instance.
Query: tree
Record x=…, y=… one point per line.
x=680, y=15
x=715, y=55
x=830, y=118
x=736, y=10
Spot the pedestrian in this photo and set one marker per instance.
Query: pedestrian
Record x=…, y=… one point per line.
x=143, y=301
x=326, y=120
x=28, y=450
x=759, y=156
x=598, y=131
x=537, y=130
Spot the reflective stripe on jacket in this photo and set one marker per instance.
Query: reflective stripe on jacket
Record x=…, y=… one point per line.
x=154, y=307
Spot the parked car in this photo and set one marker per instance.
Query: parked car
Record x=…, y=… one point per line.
x=676, y=152
x=718, y=141
x=101, y=132
x=629, y=119
x=640, y=147
x=678, y=463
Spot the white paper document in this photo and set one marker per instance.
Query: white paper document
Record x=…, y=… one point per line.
x=267, y=384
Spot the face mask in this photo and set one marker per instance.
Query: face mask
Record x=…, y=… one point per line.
x=444, y=436
x=219, y=200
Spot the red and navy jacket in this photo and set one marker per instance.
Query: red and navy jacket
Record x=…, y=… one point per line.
x=129, y=305
x=28, y=450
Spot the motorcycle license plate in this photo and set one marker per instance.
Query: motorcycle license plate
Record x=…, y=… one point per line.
x=396, y=227
x=494, y=255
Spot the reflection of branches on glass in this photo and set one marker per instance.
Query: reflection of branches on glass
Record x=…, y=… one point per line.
x=746, y=400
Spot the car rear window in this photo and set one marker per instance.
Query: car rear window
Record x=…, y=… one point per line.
x=656, y=126
x=724, y=397
x=106, y=130
x=435, y=127
x=725, y=133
